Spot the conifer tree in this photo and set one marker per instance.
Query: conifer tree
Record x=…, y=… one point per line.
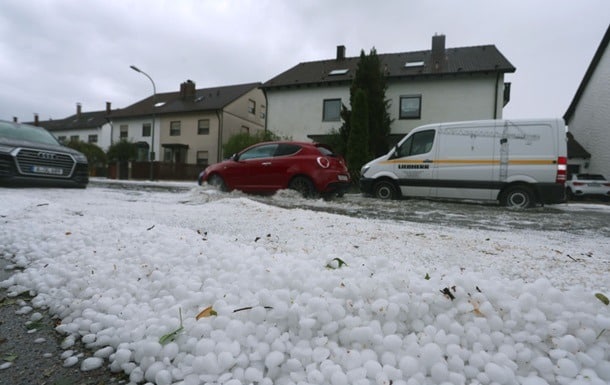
x=357, y=143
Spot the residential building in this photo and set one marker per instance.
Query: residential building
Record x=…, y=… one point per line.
x=92, y=127
x=436, y=85
x=588, y=116
x=191, y=125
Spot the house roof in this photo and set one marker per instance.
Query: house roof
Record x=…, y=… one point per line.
x=205, y=99
x=78, y=121
x=603, y=46
x=464, y=60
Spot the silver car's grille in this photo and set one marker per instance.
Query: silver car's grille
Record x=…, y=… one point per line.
x=45, y=163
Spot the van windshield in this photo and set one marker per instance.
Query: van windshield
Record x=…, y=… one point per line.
x=418, y=143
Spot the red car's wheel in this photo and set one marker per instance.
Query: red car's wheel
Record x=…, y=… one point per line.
x=303, y=185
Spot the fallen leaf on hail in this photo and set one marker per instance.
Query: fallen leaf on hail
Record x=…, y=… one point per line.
x=207, y=312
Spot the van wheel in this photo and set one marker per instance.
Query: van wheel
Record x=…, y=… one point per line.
x=569, y=194
x=385, y=190
x=304, y=186
x=518, y=197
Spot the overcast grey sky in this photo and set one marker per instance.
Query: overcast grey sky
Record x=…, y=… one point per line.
x=55, y=53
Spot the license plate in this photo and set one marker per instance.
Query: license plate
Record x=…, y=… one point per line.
x=47, y=170
x=594, y=184
x=343, y=178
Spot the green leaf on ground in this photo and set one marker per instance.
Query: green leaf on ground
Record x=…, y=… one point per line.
x=602, y=298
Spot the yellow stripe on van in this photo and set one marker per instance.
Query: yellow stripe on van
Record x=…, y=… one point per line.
x=536, y=162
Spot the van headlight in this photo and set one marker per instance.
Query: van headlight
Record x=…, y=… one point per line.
x=364, y=169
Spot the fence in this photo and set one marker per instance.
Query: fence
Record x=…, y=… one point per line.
x=160, y=171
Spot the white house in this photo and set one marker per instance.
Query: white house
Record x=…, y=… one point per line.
x=588, y=116
x=440, y=84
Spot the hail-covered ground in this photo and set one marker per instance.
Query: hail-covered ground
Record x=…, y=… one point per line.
x=199, y=287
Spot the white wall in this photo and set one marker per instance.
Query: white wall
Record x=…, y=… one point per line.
x=297, y=113
x=103, y=135
x=590, y=123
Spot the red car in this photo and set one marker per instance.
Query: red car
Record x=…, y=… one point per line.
x=310, y=168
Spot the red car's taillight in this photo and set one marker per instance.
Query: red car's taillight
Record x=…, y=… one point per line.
x=323, y=162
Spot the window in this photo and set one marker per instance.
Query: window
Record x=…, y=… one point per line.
x=263, y=151
x=174, y=128
x=62, y=138
x=203, y=127
x=146, y=129
x=74, y=138
x=92, y=139
x=331, y=110
x=251, y=106
x=202, y=158
x=123, y=131
x=341, y=71
x=418, y=143
x=245, y=129
x=410, y=107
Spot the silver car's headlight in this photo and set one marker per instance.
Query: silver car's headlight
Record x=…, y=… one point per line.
x=80, y=158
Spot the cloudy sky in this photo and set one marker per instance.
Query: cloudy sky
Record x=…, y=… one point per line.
x=55, y=53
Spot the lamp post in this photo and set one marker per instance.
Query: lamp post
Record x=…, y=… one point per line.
x=151, y=155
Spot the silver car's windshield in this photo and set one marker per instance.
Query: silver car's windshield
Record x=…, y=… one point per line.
x=17, y=131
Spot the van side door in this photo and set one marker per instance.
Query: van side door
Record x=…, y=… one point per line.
x=412, y=163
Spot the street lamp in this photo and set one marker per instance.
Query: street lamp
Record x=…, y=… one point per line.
x=151, y=156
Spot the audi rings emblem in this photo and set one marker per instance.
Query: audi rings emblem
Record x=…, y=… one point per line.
x=46, y=155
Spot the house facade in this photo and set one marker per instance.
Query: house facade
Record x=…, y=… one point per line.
x=190, y=126
x=588, y=116
x=441, y=84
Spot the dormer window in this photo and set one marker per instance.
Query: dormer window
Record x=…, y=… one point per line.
x=414, y=64
x=341, y=71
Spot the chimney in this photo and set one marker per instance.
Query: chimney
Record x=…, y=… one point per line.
x=438, y=52
x=36, y=121
x=78, y=110
x=108, y=108
x=340, y=52
x=187, y=91
x=15, y=119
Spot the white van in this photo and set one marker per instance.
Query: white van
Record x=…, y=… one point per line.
x=516, y=162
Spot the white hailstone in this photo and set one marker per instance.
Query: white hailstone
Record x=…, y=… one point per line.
x=603, y=370
x=205, y=346
x=587, y=335
x=104, y=352
x=558, y=328
x=409, y=366
x=556, y=354
x=602, y=321
x=6, y=365
x=585, y=359
x=567, y=368
x=455, y=363
x=392, y=372
x=170, y=350
x=456, y=329
x=392, y=342
x=351, y=359
x=330, y=328
x=91, y=363
x=496, y=373
x=151, y=371
x=257, y=314
x=543, y=365
x=319, y=354
x=293, y=365
x=163, y=377
x=209, y=364
x=388, y=358
x=35, y=317
x=274, y=359
x=307, y=323
x=66, y=354
x=361, y=334
x=509, y=351
x=39, y=340
x=569, y=343
x=225, y=360
x=24, y=310
x=477, y=360
x=136, y=375
x=233, y=381
x=89, y=338
x=355, y=374
x=122, y=356
x=439, y=372
x=70, y=361
x=431, y=354
x=443, y=321
x=372, y=368
x=533, y=380
x=253, y=374
x=150, y=348
x=315, y=376
x=234, y=329
x=338, y=378
x=527, y=301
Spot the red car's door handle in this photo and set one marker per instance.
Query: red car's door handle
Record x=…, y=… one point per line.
x=266, y=163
